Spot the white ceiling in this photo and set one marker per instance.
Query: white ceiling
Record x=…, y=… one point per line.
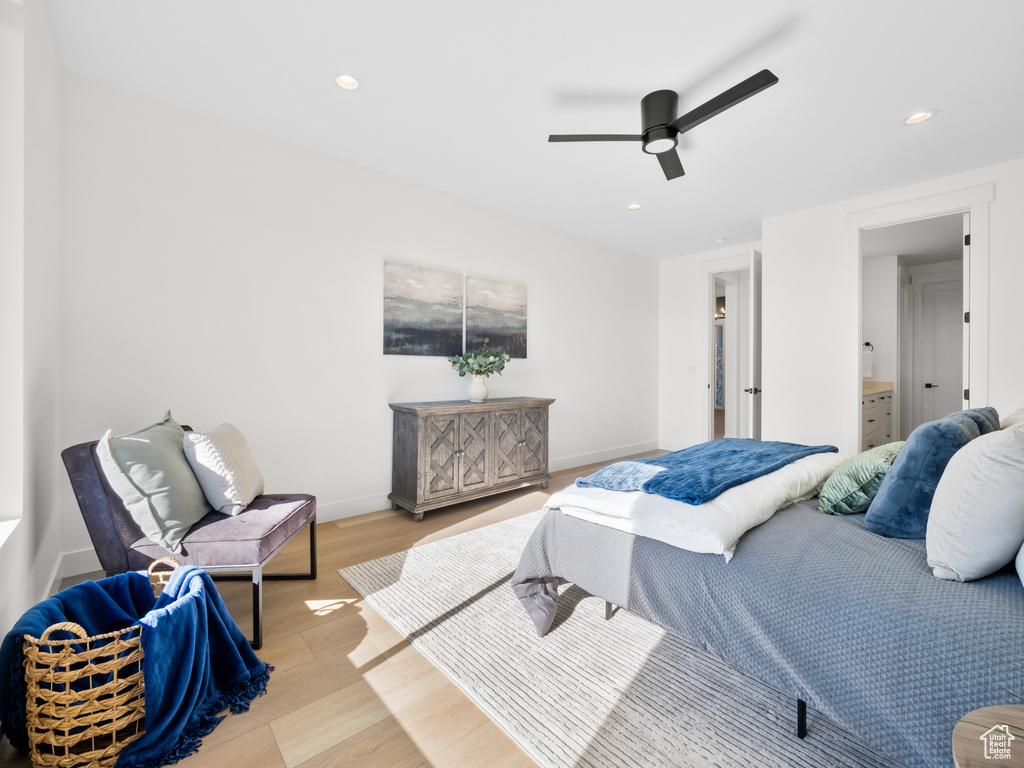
x=461, y=96
x=917, y=242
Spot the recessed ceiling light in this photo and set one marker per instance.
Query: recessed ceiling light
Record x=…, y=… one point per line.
x=918, y=117
x=719, y=239
x=633, y=206
x=348, y=82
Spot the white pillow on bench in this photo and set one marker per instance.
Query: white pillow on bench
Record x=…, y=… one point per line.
x=225, y=467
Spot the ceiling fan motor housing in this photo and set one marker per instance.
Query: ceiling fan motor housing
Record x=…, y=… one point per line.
x=657, y=111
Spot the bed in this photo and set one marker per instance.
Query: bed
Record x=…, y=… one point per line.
x=815, y=605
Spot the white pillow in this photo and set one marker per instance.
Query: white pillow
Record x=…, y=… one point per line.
x=976, y=522
x=227, y=472
x=1015, y=418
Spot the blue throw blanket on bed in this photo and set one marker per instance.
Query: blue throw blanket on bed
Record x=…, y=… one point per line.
x=700, y=473
x=196, y=663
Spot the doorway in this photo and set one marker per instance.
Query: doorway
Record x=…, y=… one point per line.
x=913, y=304
x=734, y=309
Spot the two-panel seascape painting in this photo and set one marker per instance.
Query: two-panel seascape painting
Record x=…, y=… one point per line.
x=433, y=312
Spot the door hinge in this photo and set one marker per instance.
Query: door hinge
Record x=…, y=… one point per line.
x=967, y=394
x=967, y=239
x=967, y=317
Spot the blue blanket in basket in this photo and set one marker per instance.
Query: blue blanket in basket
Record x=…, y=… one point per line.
x=700, y=473
x=196, y=662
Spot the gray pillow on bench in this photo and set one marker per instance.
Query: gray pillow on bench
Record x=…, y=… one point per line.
x=150, y=473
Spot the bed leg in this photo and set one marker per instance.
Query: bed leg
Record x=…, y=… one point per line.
x=609, y=610
x=801, y=718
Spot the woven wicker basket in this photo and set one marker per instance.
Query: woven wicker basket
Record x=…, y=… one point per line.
x=86, y=696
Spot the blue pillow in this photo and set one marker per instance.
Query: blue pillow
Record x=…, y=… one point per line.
x=986, y=418
x=900, y=508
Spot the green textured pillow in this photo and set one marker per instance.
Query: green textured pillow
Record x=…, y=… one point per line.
x=851, y=488
x=150, y=473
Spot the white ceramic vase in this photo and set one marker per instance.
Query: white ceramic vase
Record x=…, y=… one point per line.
x=477, y=389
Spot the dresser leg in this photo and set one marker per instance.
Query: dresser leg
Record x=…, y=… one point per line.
x=394, y=506
x=544, y=485
x=417, y=516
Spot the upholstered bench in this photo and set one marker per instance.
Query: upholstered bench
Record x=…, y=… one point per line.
x=218, y=543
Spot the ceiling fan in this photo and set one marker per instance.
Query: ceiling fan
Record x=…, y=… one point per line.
x=661, y=127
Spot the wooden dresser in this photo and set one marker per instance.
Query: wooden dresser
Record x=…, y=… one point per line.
x=452, y=451
x=876, y=414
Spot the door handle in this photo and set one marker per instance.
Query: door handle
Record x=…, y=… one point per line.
x=752, y=391
x=929, y=385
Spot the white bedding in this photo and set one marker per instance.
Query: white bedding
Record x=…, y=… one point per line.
x=716, y=525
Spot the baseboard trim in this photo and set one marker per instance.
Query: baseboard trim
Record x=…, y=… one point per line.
x=583, y=459
x=670, y=445
x=56, y=576
x=76, y=563
x=338, y=510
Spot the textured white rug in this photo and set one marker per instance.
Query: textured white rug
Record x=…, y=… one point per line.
x=592, y=692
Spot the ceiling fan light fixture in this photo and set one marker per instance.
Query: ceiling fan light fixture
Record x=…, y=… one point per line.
x=347, y=82
x=658, y=140
x=633, y=207
x=918, y=117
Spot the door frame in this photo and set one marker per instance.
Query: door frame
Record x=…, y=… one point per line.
x=717, y=268
x=972, y=200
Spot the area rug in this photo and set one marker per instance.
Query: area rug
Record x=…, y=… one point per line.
x=593, y=692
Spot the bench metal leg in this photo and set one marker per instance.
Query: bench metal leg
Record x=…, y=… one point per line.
x=801, y=718
x=258, y=577
x=257, y=609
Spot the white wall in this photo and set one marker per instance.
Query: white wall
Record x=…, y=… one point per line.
x=234, y=277
x=29, y=341
x=810, y=378
x=881, y=309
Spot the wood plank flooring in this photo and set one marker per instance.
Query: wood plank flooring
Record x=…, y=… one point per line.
x=348, y=689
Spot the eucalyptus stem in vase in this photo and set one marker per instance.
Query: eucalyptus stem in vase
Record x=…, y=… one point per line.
x=479, y=365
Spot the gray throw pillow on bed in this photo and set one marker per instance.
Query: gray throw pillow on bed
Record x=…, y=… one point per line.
x=976, y=523
x=1013, y=419
x=150, y=473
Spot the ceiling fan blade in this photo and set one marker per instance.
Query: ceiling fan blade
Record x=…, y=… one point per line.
x=596, y=137
x=723, y=101
x=671, y=164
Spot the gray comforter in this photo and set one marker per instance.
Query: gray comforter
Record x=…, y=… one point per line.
x=816, y=606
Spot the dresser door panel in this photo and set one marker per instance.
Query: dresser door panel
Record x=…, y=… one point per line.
x=442, y=460
x=508, y=430
x=534, y=446
x=473, y=460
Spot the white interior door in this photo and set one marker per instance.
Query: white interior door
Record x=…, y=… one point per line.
x=739, y=277
x=966, y=331
x=938, y=345
x=753, y=389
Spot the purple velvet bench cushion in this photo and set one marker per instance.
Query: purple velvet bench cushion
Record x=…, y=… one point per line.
x=245, y=540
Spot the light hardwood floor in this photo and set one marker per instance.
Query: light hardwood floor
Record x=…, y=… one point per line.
x=348, y=689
